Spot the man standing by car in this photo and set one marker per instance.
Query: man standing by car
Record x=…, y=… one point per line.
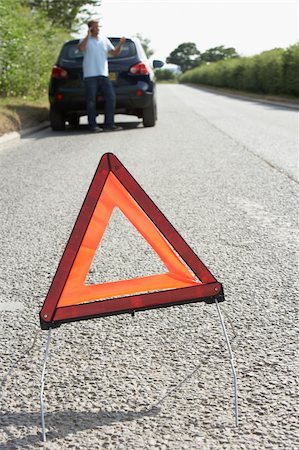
x=95, y=72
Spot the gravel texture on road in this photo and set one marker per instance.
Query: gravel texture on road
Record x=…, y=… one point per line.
x=116, y=383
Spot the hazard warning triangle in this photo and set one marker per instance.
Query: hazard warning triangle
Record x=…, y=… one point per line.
x=70, y=298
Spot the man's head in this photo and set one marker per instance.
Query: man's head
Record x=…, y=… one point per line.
x=93, y=25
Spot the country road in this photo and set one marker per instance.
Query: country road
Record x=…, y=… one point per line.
x=224, y=171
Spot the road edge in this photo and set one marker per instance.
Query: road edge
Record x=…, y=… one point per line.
x=287, y=103
x=7, y=137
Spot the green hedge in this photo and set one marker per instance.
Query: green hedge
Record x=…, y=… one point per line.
x=165, y=75
x=29, y=48
x=271, y=72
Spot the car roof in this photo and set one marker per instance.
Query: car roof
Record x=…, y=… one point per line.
x=131, y=38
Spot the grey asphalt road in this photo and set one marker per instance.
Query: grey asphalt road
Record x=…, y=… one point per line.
x=223, y=171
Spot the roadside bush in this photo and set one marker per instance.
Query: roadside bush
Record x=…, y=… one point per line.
x=271, y=72
x=165, y=75
x=291, y=70
x=28, y=50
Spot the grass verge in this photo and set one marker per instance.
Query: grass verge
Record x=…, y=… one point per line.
x=19, y=113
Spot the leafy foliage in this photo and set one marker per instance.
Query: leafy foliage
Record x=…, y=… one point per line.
x=145, y=42
x=62, y=13
x=186, y=56
x=165, y=75
x=28, y=50
x=218, y=53
x=271, y=72
x=291, y=69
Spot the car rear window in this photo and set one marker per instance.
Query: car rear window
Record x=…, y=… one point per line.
x=128, y=48
x=72, y=52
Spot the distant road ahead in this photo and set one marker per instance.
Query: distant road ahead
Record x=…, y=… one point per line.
x=268, y=131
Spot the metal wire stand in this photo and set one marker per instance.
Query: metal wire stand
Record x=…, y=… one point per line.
x=235, y=382
x=42, y=410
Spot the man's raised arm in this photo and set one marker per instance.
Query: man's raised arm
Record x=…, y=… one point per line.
x=82, y=45
x=117, y=49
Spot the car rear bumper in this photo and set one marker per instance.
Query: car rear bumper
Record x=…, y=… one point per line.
x=128, y=98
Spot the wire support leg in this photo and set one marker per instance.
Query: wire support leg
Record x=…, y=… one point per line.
x=42, y=410
x=231, y=363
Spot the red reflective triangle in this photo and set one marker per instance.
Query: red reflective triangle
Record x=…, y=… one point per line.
x=70, y=298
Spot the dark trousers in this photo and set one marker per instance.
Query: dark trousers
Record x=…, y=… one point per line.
x=93, y=86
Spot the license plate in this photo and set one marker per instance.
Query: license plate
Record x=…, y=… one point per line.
x=112, y=76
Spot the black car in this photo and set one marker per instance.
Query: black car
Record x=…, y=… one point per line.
x=130, y=72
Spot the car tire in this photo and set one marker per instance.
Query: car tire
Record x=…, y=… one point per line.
x=149, y=115
x=74, y=120
x=57, y=120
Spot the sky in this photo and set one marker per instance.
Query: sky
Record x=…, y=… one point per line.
x=249, y=26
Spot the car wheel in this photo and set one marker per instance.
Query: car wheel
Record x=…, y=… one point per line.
x=74, y=120
x=149, y=115
x=57, y=120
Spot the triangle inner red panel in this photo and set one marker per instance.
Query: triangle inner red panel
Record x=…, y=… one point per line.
x=186, y=279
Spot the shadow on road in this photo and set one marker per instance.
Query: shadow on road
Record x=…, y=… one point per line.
x=84, y=130
x=63, y=423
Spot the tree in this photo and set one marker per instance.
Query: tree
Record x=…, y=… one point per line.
x=145, y=42
x=62, y=13
x=186, y=56
x=218, y=53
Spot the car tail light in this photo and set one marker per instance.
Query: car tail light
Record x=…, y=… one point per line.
x=140, y=69
x=58, y=72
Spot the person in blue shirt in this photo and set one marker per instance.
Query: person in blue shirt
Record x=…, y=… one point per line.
x=96, y=77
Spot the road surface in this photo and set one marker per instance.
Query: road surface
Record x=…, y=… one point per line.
x=224, y=173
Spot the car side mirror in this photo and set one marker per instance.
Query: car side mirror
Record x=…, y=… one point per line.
x=157, y=64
